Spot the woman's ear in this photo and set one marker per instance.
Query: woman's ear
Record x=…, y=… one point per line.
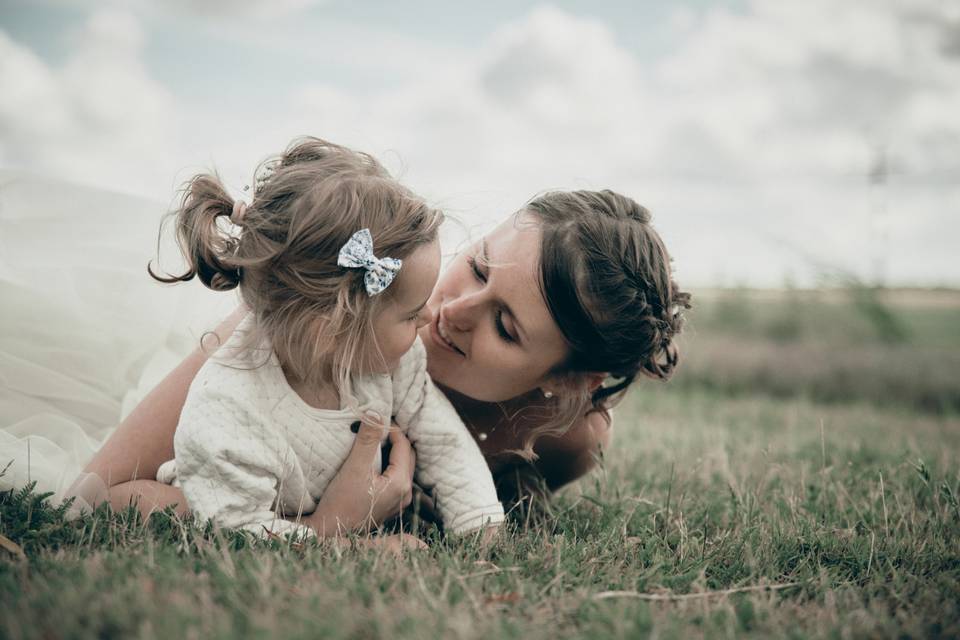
x=595, y=380
x=588, y=382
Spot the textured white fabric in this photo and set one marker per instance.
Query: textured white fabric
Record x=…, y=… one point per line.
x=248, y=447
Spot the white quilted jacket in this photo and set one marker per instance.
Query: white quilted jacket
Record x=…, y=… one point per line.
x=249, y=449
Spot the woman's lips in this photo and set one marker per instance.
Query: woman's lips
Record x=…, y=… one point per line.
x=444, y=343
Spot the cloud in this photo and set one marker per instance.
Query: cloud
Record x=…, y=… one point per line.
x=100, y=118
x=243, y=8
x=556, y=67
x=850, y=82
x=752, y=139
x=776, y=114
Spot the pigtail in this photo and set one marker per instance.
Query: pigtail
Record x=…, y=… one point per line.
x=208, y=250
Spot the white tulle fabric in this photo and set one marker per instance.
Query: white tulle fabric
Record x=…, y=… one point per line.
x=84, y=331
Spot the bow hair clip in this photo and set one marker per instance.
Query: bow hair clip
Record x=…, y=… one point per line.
x=358, y=254
x=265, y=172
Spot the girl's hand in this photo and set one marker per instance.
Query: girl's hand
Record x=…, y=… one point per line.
x=359, y=497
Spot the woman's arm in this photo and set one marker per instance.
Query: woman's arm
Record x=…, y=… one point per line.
x=144, y=440
x=128, y=461
x=358, y=497
x=568, y=457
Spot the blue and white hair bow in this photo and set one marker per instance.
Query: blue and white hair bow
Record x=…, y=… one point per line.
x=358, y=254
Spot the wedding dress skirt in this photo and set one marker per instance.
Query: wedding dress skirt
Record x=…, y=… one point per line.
x=85, y=332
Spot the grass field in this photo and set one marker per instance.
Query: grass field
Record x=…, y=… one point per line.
x=721, y=511
x=887, y=347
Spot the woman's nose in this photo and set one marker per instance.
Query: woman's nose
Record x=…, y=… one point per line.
x=462, y=312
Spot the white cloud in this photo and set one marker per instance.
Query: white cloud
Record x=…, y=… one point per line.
x=559, y=69
x=244, y=8
x=751, y=139
x=839, y=87
x=100, y=118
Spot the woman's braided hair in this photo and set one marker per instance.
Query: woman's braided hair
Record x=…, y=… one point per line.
x=606, y=278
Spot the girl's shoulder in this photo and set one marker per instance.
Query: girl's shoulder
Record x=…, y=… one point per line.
x=242, y=347
x=410, y=383
x=239, y=368
x=412, y=365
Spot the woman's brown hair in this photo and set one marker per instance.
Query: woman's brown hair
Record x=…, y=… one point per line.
x=606, y=277
x=307, y=204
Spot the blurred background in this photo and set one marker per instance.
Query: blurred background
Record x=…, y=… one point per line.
x=802, y=160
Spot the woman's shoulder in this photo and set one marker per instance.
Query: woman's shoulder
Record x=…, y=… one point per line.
x=593, y=431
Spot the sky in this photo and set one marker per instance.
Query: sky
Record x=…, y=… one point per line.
x=775, y=142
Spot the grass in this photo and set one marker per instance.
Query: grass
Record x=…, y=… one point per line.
x=886, y=347
x=798, y=479
x=835, y=521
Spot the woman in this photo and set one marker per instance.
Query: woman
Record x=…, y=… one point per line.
x=539, y=328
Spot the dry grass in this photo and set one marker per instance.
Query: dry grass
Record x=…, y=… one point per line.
x=705, y=503
x=898, y=347
x=760, y=513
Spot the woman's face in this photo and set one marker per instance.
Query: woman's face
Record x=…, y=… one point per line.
x=492, y=337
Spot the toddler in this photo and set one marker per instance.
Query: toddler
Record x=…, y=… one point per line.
x=336, y=261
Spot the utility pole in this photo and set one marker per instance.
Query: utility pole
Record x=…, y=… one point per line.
x=877, y=227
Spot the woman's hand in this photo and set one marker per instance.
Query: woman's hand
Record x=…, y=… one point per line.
x=396, y=543
x=359, y=497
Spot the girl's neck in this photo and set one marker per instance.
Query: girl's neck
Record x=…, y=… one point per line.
x=319, y=394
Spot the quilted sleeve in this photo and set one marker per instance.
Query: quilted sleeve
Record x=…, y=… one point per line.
x=227, y=467
x=448, y=459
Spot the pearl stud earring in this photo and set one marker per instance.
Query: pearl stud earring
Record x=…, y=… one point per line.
x=547, y=394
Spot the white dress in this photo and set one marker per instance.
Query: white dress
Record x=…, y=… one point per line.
x=85, y=332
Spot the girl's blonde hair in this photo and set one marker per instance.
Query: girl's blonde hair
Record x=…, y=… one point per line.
x=307, y=204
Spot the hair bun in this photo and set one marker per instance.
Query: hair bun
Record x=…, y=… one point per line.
x=608, y=283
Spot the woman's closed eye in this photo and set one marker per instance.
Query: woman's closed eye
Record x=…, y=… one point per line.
x=475, y=267
x=481, y=276
x=501, y=329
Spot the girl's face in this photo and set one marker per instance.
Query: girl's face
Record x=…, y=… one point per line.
x=396, y=324
x=491, y=336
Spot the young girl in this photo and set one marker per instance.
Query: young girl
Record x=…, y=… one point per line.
x=335, y=261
